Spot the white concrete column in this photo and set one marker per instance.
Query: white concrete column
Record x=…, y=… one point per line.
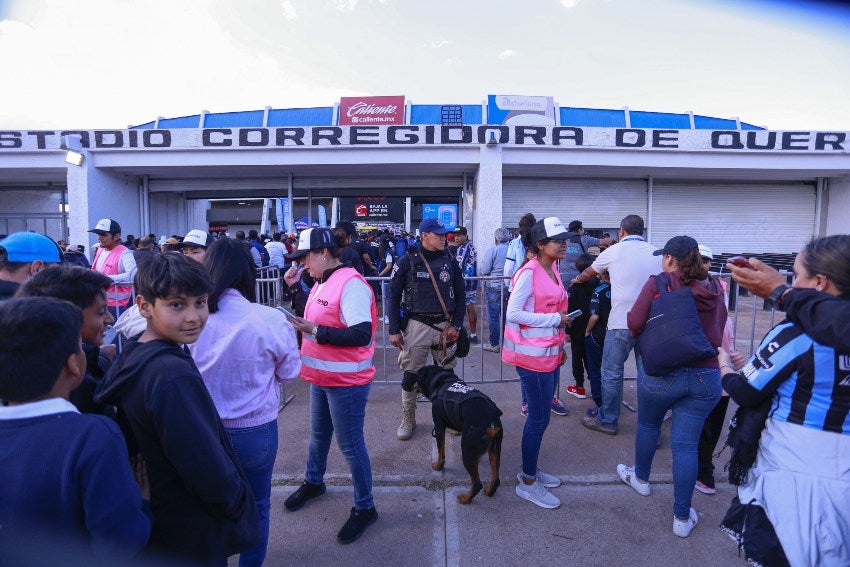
x=487, y=198
x=94, y=194
x=837, y=204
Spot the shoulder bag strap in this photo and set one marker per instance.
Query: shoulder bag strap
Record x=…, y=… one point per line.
x=442, y=303
x=437, y=290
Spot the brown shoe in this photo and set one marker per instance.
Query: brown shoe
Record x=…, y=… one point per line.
x=591, y=423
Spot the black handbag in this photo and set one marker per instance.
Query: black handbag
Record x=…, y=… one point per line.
x=673, y=336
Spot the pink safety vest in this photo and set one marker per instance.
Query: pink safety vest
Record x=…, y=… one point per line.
x=119, y=294
x=328, y=365
x=537, y=348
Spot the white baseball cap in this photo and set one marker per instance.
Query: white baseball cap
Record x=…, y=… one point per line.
x=197, y=238
x=548, y=228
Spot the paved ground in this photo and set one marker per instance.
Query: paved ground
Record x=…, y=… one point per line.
x=600, y=522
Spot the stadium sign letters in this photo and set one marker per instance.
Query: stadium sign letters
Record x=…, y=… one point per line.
x=567, y=137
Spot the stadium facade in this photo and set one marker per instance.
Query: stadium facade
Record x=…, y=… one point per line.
x=731, y=185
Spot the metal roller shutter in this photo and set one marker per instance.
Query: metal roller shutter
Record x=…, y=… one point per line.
x=735, y=217
x=598, y=203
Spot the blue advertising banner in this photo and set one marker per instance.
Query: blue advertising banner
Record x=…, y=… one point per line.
x=284, y=205
x=443, y=212
x=323, y=216
x=278, y=214
x=520, y=110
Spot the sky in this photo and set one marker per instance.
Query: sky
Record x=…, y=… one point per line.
x=115, y=63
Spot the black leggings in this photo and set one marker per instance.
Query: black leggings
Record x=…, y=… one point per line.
x=711, y=432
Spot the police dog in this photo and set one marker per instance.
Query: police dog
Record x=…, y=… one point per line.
x=458, y=406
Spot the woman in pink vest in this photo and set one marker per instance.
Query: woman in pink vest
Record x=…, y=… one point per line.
x=337, y=353
x=534, y=341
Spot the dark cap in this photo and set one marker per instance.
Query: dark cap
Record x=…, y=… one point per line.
x=106, y=226
x=575, y=225
x=460, y=230
x=432, y=225
x=547, y=229
x=314, y=239
x=678, y=247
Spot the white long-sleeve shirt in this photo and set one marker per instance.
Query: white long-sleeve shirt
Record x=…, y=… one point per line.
x=519, y=305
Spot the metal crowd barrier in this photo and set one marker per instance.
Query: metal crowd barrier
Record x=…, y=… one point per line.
x=751, y=317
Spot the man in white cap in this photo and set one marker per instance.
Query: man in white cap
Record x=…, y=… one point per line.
x=22, y=255
x=195, y=244
x=113, y=259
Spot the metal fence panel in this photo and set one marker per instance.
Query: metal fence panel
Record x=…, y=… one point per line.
x=752, y=317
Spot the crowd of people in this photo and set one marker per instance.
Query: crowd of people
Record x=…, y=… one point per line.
x=170, y=441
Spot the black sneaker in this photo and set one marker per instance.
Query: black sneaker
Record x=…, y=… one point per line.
x=304, y=494
x=356, y=524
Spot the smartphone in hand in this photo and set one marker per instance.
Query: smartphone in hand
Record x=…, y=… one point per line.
x=740, y=261
x=574, y=314
x=289, y=314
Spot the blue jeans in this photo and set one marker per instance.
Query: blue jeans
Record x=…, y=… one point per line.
x=538, y=386
x=618, y=344
x=593, y=352
x=496, y=302
x=692, y=393
x=555, y=383
x=256, y=449
x=341, y=411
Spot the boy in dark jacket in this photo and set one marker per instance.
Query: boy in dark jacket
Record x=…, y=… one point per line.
x=203, y=507
x=67, y=492
x=86, y=289
x=580, y=294
x=594, y=338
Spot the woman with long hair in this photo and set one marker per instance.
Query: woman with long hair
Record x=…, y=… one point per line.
x=690, y=391
x=337, y=353
x=534, y=344
x=801, y=475
x=244, y=353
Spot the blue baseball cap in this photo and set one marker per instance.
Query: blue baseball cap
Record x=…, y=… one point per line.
x=28, y=247
x=433, y=225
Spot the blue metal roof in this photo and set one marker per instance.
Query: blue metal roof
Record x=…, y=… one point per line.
x=431, y=114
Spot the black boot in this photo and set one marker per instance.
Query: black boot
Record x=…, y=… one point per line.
x=304, y=494
x=356, y=524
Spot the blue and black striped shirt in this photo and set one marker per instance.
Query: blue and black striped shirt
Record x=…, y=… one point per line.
x=810, y=382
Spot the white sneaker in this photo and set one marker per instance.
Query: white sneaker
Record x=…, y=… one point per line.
x=546, y=479
x=683, y=528
x=537, y=494
x=627, y=475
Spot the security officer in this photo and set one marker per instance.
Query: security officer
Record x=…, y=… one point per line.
x=427, y=330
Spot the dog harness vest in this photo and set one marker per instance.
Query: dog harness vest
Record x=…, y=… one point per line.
x=117, y=294
x=451, y=395
x=329, y=365
x=537, y=348
x=419, y=296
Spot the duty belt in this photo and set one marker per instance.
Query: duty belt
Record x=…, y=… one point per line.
x=428, y=318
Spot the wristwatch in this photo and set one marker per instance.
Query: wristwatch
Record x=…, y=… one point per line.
x=775, y=297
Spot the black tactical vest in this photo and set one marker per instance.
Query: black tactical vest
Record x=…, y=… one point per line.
x=451, y=395
x=419, y=294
